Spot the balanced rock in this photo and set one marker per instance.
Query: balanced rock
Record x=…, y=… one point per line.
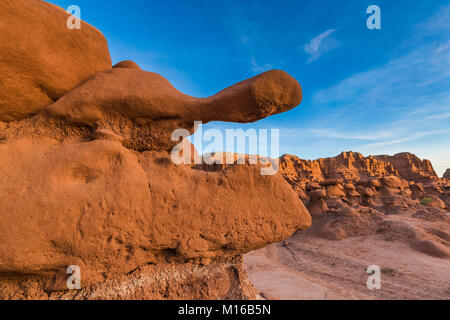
x=145, y=108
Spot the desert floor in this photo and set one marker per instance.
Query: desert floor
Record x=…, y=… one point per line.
x=314, y=268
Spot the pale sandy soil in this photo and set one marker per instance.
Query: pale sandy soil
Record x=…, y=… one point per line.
x=315, y=268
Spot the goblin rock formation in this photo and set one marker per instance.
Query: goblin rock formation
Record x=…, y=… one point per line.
x=87, y=179
x=352, y=195
x=410, y=167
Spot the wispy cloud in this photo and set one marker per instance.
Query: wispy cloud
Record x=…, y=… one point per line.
x=351, y=135
x=246, y=30
x=401, y=105
x=256, y=68
x=317, y=46
x=409, y=137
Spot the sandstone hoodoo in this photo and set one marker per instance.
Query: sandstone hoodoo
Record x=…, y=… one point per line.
x=87, y=179
x=145, y=108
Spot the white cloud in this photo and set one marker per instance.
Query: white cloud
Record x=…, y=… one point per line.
x=315, y=48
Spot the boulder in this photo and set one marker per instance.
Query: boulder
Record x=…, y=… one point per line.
x=375, y=183
x=433, y=201
x=100, y=206
x=335, y=191
x=127, y=64
x=392, y=182
x=145, y=108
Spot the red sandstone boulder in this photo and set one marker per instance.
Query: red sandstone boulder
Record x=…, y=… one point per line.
x=145, y=108
x=392, y=182
x=335, y=191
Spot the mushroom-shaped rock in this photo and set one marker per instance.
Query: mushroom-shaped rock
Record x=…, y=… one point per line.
x=374, y=182
x=318, y=194
x=116, y=97
x=317, y=205
x=349, y=186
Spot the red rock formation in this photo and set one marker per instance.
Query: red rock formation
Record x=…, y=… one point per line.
x=350, y=195
x=41, y=59
x=219, y=279
x=410, y=167
x=351, y=166
x=145, y=108
x=89, y=180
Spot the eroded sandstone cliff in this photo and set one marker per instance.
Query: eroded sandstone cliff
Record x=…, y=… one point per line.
x=351, y=195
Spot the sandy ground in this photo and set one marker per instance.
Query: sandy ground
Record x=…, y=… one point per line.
x=315, y=268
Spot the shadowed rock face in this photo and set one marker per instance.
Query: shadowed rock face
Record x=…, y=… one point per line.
x=88, y=181
x=447, y=174
x=41, y=59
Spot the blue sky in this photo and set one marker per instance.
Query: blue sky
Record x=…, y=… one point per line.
x=372, y=91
